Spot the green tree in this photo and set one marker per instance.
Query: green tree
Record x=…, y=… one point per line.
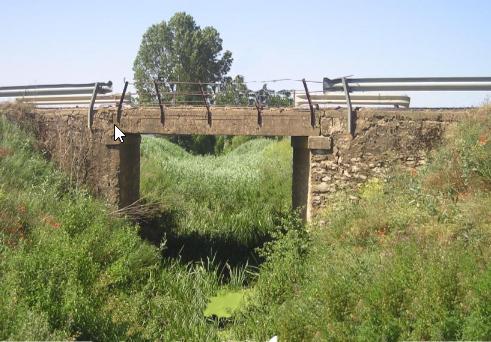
x=233, y=91
x=271, y=98
x=179, y=50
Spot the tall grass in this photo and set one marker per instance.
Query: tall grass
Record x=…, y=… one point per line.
x=235, y=196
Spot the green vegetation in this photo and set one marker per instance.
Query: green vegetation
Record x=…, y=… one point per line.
x=69, y=270
x=230, y=197
x=225, y=304
x=409, y=260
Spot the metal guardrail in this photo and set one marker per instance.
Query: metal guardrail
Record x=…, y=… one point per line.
x=67, y=94
x=351, y=85
x=72, y=100
x=55, y=89
x=408, y=84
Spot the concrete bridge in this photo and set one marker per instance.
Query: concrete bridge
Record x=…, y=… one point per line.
x=326, y=158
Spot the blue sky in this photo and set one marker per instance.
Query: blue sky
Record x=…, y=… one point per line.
x=84, y=41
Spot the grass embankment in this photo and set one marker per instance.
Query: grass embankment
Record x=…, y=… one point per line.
x=411, y=260
x=69, y=270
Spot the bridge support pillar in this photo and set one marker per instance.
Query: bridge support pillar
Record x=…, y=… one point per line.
x=125, y=160
x=305, y=149
x=301, y=176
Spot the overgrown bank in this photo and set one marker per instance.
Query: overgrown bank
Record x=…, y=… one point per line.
x=411, y=260
x=70, y=270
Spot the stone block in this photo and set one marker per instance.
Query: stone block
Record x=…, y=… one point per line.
x=320, y=143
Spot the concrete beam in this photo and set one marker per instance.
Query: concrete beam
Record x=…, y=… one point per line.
x=224, y=121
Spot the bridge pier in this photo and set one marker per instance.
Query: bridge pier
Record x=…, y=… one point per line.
x=301, y=176
x=305, y=149
x=126, y=159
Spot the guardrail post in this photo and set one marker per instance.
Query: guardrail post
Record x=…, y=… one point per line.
x=121, y=100
x=208, y=112
x=351, y=118
x=90, y=113
x=312, y=112
x=259, y=108
x=161, y=105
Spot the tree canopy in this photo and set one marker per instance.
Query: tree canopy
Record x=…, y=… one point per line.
x=233, y=91
x=179, y=50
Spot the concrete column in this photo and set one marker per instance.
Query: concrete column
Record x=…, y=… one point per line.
x=304, y=148
x=301, y=176
x=129, y=171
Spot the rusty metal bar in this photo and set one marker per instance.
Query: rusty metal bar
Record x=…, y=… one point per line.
x=351, y=118
x=90, y=112
x=259, y=108
x=206, y=104
x=312, y=111
x=174, y=99
x=121, y=100
x=161, y=105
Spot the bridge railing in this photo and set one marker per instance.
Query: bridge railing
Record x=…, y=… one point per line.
x=407, y=84
x=349, y=85
x=55, y=89
x=64, y=94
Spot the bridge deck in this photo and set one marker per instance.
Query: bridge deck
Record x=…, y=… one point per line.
x=223, y=121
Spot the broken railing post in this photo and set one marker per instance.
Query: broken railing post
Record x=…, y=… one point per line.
x=259, y=108
x=90, y=113
x=208, y=112
x=161, y=105
x=312, y=111
x=351, y=117
x=121, y=100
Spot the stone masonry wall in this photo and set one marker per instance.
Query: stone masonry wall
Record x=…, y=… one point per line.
x=87, y=156
x=382, y=139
